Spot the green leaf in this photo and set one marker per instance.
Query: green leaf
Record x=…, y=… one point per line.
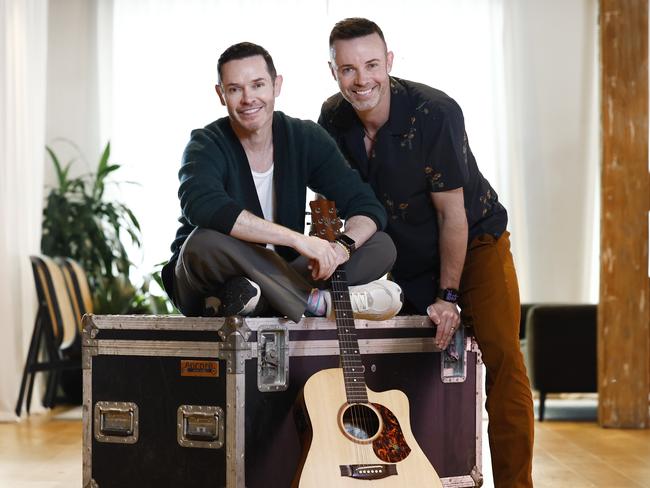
x=103, y=161
x=61, y=172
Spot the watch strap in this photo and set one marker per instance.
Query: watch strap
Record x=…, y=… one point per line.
x=449, y=295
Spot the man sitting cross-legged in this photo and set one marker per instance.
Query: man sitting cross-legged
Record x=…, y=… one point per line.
x=241, y=248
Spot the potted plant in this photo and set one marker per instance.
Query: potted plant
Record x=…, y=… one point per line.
x=81, y=222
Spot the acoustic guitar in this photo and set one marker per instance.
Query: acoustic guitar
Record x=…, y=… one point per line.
x=355, y=437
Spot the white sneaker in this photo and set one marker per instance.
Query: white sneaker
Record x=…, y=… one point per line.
x=377, y=300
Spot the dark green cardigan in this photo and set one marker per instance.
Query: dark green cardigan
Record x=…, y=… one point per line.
x=216, y=182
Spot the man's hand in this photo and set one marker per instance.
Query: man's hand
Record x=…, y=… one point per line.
x=322, y=255
x=445, y=315
x=341, y=257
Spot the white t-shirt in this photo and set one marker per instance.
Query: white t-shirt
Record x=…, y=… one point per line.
x=265, y=194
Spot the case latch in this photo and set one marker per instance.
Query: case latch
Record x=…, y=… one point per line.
x=453, y=360
x=116, y=422
x=272, y=358
x=200, y=426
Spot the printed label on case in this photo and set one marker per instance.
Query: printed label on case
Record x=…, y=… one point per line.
x=194, y=367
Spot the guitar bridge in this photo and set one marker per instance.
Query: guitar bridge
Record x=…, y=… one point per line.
x=368, y=471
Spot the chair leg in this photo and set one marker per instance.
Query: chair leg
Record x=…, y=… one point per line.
x=52, y=384
x=55, y=390
x=542, y=400
x=32, y=379
x=32, y=357
x=52, y=380
x=28, y=401
x=47, y=396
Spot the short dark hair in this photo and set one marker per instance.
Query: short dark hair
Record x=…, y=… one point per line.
x=246, y=50
x=354, y=27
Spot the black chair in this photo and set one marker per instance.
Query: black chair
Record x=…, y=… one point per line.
x=56, y=335
x=82, y=303
x=561, y=349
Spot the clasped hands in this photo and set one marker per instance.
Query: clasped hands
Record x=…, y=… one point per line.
x=324, y=256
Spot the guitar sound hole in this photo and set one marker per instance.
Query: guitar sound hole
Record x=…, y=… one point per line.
x=360, y=422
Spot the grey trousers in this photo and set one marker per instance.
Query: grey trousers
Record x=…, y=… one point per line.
x=209, y=258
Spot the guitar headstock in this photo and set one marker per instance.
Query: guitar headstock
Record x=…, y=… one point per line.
x=325, y=222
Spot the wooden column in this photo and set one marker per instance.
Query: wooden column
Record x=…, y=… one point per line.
x=624, y=307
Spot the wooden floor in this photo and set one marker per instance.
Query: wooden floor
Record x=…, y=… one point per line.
x=44, y=451
x=569, y=454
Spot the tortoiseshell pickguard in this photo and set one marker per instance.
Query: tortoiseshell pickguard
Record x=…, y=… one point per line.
x=390, y=446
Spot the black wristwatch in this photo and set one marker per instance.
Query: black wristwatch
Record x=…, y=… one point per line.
x=347, y=242
x=449, y=295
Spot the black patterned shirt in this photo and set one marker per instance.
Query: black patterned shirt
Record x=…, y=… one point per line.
x=422, y=148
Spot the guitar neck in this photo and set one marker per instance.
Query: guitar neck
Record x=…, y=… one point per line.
x=355, y=383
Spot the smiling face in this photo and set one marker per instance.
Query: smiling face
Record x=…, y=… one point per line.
x=249, y=93
x=361, y=66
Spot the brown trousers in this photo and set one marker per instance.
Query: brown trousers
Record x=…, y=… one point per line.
x=490, y=304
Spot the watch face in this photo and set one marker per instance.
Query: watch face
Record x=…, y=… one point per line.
x=347, y=240
x=449, y=295
x=452, y=295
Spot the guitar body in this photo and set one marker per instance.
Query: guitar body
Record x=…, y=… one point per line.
x=332, y=447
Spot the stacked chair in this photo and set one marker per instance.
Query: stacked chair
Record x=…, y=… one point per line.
x=63, y=297
x=82, y=303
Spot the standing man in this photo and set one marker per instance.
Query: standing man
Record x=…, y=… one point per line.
x=243, y=181
x=408, y=141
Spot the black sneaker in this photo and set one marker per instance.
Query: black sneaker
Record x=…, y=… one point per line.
x=238, y=296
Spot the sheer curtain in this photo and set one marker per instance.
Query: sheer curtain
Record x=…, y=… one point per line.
x=551, y=80
x=23, y=28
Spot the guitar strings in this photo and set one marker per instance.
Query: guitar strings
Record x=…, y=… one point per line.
x=348, y=342
x=339, y=289
x=340, y=313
